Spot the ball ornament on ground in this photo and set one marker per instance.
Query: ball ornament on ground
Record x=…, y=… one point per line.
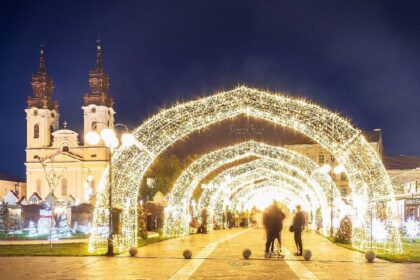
x=187, y=254
x=370, y=256
x=133, y=251
x=307, y=254
x=246, y=253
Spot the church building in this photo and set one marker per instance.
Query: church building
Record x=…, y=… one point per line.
x=73, y=169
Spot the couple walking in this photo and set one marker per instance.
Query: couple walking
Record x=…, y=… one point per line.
x=273, y=222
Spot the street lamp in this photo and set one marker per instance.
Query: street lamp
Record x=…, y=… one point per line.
x=109, y=137
x=326, y=169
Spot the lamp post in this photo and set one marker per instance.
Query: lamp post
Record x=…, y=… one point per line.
x=109, y=137
x=326, y=169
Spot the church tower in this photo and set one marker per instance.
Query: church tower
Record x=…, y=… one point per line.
x=42, y=116
x=98, y=111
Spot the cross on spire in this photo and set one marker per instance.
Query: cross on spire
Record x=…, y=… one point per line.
x=65, y=124
x=42, y=69
x=99, y=65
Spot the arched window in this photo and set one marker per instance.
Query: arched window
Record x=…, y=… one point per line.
x=39, y=187
x=94, y=125
x=66, y=149
x=36, y=131
x=64, y=187
x=52, y=136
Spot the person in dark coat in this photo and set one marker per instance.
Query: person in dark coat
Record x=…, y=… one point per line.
x=271, y=221
x=298, y=226
x=279, y=216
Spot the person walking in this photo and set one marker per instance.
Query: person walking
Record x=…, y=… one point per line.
x=278, y=227
x=298, y=225
x=271, y=221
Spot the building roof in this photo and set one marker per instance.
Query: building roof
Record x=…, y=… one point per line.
x=372, y=135
x=35, y=195
x=401, y=162
x=8, y=177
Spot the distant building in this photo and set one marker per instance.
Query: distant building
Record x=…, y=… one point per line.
x=60, y=149
x=322, y=156
x=10, y=183
x=405, y=174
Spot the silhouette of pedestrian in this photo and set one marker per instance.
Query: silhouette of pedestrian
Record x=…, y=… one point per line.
x=298, y=225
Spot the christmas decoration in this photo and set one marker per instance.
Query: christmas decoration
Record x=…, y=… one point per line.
x=187, y=254
x=32, y=229
x=246, y=253
x=366, y=174
x=307, y=254
x=63, y=227
x=344, y=232
x=370, y=256
x=133, y=251
x=54, y=234
x=412, y=228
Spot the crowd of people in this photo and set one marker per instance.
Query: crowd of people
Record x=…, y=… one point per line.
x=273, y=220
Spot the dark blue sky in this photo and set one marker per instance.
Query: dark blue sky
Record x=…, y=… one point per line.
x=360, y=58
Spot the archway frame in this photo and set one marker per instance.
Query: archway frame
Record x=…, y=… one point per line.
x=277, y=158
x=366, y=173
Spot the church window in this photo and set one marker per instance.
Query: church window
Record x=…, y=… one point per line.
x=36, y=131
x=64, y=187
x=66, y=149
x=52, y=115
x=94, y=125
x=93, y=110
x=39, y=187
x=36, y=113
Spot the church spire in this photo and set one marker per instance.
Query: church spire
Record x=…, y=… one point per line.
x=98, y=82
x=42, y=86
x=42, y=69
x=99, y=65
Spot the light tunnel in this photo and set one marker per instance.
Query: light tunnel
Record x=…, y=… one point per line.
x=367, y=176
x=265, y=193
x=296, y=165
x=214, y=196
x=217, y=203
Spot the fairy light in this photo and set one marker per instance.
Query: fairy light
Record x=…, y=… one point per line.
x=333, y=132
x=290, y=162
x=262, y=195
x=412, y=228
x=245, y=176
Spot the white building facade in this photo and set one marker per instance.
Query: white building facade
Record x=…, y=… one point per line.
x=57, y=152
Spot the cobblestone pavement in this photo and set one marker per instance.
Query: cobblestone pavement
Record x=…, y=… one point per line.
x=222, y=260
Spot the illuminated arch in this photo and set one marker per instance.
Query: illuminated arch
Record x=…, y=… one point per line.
x=281, y=159
x=214, y=198
x=217, y=203
x=275, y=190
x=366, y=173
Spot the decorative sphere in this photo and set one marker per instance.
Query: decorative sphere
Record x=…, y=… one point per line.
x=307, y=254
x=127, y=139
x=133, y=251
x=246, y=254
x=92, y=138
x=187, y=254
x=370, y=256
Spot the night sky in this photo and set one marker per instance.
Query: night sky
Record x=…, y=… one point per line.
x=359, y=58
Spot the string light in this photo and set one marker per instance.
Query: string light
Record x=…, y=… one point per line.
x=334, y=133
x=296, y=165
